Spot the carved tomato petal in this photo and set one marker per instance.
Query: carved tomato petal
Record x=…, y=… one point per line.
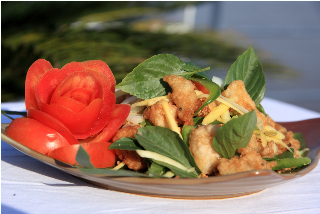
x=35, y=73
x=102, y=67
x=76, y=122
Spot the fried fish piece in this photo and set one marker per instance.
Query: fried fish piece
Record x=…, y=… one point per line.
x=248, y=160
x=130, y=158
x=183, y=96
x=155, y=114
x=237, y=91
x=200, y=144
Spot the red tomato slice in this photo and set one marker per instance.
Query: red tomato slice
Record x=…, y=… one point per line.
x=201, y=88
x=35, y=135
x=35, y=73
x=100, y=66
x=118, y=117
x=100, y=155
x=53, y=123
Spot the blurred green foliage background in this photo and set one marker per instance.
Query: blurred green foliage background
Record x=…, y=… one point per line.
x=123, y=34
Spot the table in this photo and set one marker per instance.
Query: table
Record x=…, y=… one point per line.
x=30, y=186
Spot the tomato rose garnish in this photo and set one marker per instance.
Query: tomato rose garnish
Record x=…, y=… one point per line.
x=67, y=106
x=80, y=95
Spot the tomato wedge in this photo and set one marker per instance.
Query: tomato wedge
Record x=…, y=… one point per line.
x=35, y=135
x=100, y=155
x=53, y=123
x=118, y=117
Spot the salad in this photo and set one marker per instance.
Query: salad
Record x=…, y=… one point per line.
x=170, y=120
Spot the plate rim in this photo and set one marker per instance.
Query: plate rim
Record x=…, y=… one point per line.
x=281, y=178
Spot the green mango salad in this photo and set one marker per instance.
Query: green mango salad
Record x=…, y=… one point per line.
x=183, y=124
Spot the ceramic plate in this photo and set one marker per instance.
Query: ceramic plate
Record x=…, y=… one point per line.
x=193, y=188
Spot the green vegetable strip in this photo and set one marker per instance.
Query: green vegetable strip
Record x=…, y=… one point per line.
x=291, y=162
x=211, y=86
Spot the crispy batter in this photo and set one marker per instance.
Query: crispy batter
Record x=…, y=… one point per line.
x=254, y=144
x=200, y=144
x=238, y=92
x=280, y=128
x=184, y=96
x=156, y=115
x=130, y=158
x=207, y=109
x=290, y=142
x=269, y=151
x=249, y=160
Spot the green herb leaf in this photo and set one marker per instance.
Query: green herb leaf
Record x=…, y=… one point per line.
x=145, y=81
x=234, y=134
x=248, y=69
x=291, y=162
x=286, y=160
x=111, y=172
x=166, y=142
x=298, y=136
x=83, y=158
x=125, y=143
x=261, y=109
x=191, y=67
x=185, y=132
x=211, y=86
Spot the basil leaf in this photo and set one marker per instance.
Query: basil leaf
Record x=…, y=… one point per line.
x=83, y=158
x=234, y=134
x=146, y=122
x=298, y=136
x=166, y=142
x=286, y=160
x=248, y=69
x=125, y=143
x=110, y=172
x=189, y=66
x=291, y=162
x=145, y=81
x=211, y=86
x=261, y=109
x=185, y=132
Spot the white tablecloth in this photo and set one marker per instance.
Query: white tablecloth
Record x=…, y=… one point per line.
x=29, y=186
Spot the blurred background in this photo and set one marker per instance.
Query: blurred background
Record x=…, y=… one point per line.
x=284, y=35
